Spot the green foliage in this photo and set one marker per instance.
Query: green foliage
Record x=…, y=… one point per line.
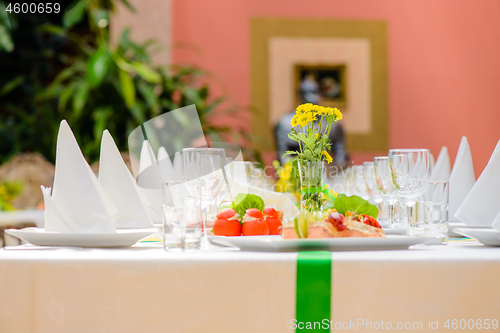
x=66, y=68
x=355, y=205
x=244, y=201
x=8, y=192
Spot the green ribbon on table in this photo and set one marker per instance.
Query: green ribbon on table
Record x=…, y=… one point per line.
x=314, y=276
x=327, y=192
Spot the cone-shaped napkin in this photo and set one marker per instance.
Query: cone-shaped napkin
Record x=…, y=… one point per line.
x=496, y=222
x=462, y=178
x=78, y=203
x=121, y=187
x=167, y=170
x=441, y=170
x=482, y=205
x=148, y=175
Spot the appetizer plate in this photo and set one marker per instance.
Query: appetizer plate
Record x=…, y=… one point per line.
x=487, y=236
x=122, y=238
x=278, y=244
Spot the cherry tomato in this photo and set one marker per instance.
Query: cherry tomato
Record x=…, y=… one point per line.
x=274, y=224
x=223, y=227
x=254, y=212
x=273, y=220
x=225, y=213
x=255, y=227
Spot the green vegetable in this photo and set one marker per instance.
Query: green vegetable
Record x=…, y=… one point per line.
x=244, y=201
x=355, y=204
x=224, y=206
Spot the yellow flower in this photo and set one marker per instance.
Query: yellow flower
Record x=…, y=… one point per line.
x=329, y=159
x=286, y=172
x=305, y=118
x=294, y=121
x=317, y=135
x=337, y=113
x=303, y=108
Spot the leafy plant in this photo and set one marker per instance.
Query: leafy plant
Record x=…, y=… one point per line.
x=8, y=192
x=96, y=85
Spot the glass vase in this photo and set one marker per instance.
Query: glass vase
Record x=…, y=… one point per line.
x=311, y=184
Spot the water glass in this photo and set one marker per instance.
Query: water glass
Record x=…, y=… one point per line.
x=410, y=173
x=357, y=181
x=193, y=222
x=435, y=202
x=174, y=229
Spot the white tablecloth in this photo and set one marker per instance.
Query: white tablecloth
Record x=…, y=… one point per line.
x=149, y=290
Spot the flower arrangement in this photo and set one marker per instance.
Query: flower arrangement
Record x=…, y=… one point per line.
x=314, y=143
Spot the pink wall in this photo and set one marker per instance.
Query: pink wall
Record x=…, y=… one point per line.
x=444, y=61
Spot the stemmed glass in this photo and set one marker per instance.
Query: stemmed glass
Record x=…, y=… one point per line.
x=371, y=183
x=226, y=186
x=207, y=166
x=384, y=184
x=242, y=172
x=410, y=173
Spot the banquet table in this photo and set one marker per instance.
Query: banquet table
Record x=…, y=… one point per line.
x=145, y=289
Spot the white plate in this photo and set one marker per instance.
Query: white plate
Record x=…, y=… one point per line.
x=397, y=231
x=453, y=225
x=278, y=244
x=487, y=236
x=122, y=238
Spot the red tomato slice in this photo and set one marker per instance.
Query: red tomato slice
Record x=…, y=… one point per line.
x=254, y=212
x=271, y=212
x=225, y=213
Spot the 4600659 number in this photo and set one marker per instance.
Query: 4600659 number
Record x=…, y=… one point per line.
x=33, y=8
x=471, y=324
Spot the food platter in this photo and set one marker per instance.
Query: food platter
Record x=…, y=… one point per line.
x=278, y=244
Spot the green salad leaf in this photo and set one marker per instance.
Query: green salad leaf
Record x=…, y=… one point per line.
x=354, y=204
x=244, y=201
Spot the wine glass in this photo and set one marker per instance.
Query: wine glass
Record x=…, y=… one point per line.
x=242, y=172
x=384, y=184
x=358, y=183
x=371, y=183
x=226, y=186
x=410, y=173
x=206, y=165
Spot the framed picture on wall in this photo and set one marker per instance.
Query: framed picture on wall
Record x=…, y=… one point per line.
x=325, y=84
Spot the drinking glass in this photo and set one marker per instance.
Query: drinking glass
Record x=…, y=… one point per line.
x=358, y=182
x=435, y=201
x=410, y=173
x=226, y=187
x=207, y=166
x=371, y=183
x=174, y=228
x=193, y=222
x=383, y=180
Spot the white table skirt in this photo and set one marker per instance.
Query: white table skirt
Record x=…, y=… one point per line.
x=149, y=290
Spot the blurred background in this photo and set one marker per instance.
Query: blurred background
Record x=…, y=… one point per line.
x=406, y=74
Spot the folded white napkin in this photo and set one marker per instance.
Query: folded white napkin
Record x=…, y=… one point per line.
x=167, y=169
x=496, y=222
x=482, y=205
x=121, y=187
x=462, y=178
x=153, y=195
x=78, y=203
x=441, y=170
x=277, y=200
